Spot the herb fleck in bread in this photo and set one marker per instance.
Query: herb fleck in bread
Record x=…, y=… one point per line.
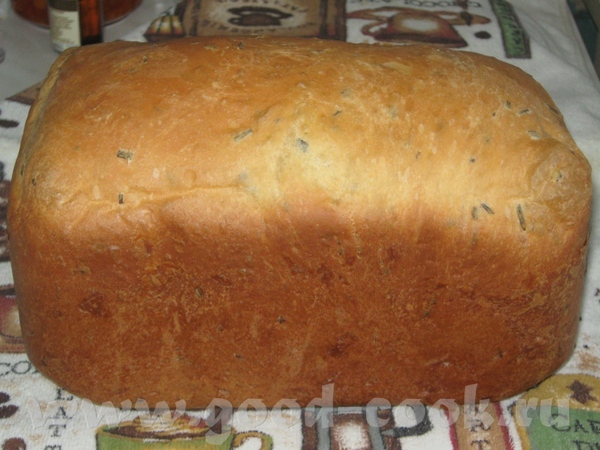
x=255, y=218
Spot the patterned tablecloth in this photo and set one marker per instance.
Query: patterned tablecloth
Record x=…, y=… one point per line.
x=561, y=413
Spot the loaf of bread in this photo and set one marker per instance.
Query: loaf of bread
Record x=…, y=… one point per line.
x=257, y=218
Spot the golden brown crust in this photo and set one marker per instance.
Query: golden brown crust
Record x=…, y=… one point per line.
x=255, y=218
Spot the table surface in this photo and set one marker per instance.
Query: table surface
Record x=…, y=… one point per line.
x=26, y=53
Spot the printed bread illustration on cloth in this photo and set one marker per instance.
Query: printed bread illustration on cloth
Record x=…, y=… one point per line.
x=404, y=25
x=180, y=433
x=258, y=217
x=300, y=18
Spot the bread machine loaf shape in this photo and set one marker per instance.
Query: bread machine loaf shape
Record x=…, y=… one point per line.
x=256, y=218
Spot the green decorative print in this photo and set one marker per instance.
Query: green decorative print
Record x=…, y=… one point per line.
x=514, y=37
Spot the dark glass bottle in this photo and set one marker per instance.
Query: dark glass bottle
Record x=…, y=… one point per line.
x=74, y=23
x=36, y=11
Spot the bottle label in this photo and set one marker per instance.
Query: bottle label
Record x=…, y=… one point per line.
x=64, y=24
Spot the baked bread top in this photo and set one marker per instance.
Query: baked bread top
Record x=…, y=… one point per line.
x=282, y=123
